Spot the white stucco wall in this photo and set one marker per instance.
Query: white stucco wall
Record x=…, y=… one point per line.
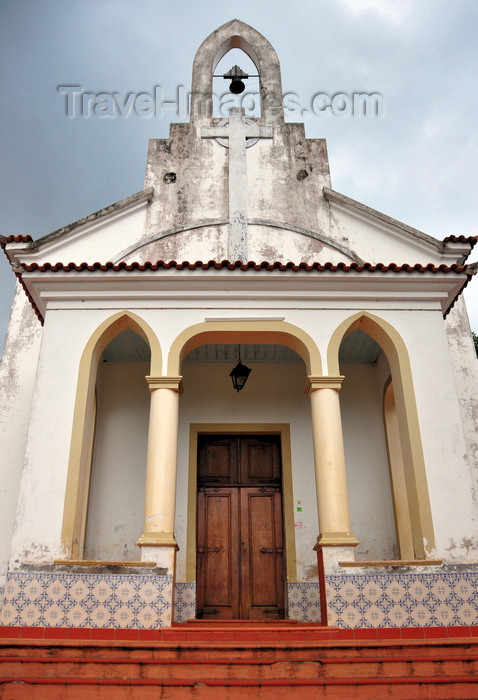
x=446, y=453
x=465, y=368
x=117, y=486
x=40, y=506
x=95, y=241
x=17, y=382
x=368, y=480
x=377, y=241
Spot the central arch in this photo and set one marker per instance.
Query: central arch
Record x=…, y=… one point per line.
x=241, y=426
x=275, y=332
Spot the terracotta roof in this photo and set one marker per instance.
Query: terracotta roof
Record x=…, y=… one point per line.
x=471, y=240
x=392, y=268
x=251, y=265
x=15, y=239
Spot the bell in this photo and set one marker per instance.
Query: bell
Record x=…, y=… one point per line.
x=237, y=86
x=234, y=75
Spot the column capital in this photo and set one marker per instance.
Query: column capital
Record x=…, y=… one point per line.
x=314, y=383
x=174, y=383
x=336, y=539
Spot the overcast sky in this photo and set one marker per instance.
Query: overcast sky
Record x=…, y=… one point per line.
x=418, y=162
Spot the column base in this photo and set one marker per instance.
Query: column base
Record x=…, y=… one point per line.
x=160, y=548
x=336, y=539
x=157, y=539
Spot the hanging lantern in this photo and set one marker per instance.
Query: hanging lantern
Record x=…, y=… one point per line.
x=239, y=374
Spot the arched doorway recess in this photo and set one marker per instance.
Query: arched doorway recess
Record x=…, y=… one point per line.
x=401, y=436
x=230, y=438
x=139, y=336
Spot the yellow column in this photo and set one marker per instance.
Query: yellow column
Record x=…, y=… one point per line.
x=160, y=500
x=330, y=476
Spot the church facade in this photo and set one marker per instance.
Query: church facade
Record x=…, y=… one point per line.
x=338, y=484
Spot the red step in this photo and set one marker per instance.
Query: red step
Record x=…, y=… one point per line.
x=235, y=660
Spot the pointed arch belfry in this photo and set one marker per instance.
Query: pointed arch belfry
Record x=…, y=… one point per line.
x=237, y=35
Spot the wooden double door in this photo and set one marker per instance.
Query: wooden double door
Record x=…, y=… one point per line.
x=240, y=544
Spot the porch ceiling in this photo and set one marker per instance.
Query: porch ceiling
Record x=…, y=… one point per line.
x=130, y=347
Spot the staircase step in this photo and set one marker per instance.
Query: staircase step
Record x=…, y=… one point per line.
x=220, y=660
x=127, y=668
x=119, y=689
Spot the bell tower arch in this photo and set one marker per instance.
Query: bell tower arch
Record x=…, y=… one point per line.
x=237, y=35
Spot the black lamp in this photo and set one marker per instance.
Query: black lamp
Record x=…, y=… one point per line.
x=239, y=374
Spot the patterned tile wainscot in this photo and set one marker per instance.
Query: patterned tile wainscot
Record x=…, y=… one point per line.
x=184, y=601
x=86, y=600
x=403, y=600
x=304, y=601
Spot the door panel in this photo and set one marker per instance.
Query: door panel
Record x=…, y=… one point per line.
x=260, y=460
x=218, y=460
x=262, y=590
x=240, y=559
x=218, y=553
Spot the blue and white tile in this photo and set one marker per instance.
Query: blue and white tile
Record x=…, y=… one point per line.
x=87, y=600
x=402, y=600
x=185, y=601
x=303, y=600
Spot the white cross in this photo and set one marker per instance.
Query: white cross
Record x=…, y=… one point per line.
x=237, y=130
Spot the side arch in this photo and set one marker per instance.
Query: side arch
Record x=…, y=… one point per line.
x=274, y=332
x=396, y=351
x=237, y=35
x=397, y=473
x=82, y=438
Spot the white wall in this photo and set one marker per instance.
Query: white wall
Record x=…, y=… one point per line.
x=117, y=487
x=446, y=452
x=99, y=240
x=368, y=480
x=465, y=367
x=17, y=381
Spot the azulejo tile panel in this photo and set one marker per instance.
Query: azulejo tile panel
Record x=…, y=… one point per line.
x=142, y=601
x=402, y=600
x=184, y=601
x=86, y=600
x=304, y=601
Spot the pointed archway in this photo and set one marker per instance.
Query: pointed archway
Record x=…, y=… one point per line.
x=407, y=427
x=84, y=421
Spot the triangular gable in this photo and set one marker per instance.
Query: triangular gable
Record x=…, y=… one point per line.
x=97, y=236
x=380, y=238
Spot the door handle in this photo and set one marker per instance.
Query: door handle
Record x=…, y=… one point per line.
x=204, y=550
x=271, y=550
